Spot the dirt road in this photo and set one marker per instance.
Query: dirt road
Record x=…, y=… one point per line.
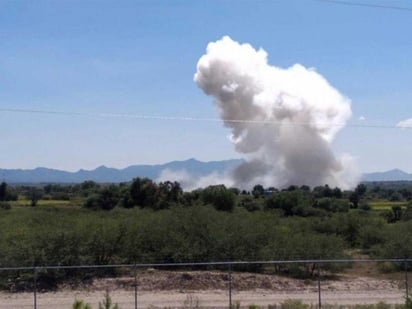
x=210, y=289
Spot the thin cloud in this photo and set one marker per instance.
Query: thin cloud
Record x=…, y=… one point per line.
x=407, y=123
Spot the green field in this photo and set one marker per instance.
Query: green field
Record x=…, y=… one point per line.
x=43, y=203
x=386, y=205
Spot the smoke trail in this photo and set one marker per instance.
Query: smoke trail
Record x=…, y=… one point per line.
x=190, y=182
x=301, y=112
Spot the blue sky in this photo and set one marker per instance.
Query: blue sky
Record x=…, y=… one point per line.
x=139, y=57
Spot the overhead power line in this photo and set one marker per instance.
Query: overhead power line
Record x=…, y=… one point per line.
x=181, y=118
x=369, y=5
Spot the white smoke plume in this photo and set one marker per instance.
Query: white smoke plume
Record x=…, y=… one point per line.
x=283, y=120
x=191, y=182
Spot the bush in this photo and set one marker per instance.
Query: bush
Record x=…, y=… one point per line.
x=372, y=233
x=285, y=201
x=107, y=302
x=79, y=304
x=364, y=206
x=397, y=243
x=220, y=197
x=62, y=196
x=107, y=198
x=293, y=304
x=250, y=204
x=5, y=205
x=332, y=204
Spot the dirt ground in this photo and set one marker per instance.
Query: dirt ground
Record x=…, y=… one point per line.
x=210, y=289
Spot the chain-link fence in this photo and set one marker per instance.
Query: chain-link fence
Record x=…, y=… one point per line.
x=212, y=284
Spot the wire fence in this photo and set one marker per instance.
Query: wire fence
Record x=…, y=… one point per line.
x=210, y=284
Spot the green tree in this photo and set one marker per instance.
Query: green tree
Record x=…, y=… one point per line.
x=220, y=197
x=250, y=204
x=258, y=191
x=3, y=191
x=361, y=189
x=289, y=202
x=106, y=198
x=397, y=243
x=88, y=188
x=34, y=195
x=337, y=193
x=143, y=192
x=332, y=204
x=354, y=198
x=407, y=214
x=168, y=193
x=350, y=226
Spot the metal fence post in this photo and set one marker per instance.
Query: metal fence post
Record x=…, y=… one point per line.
x=135, y=286
x=230, y=286
x=35, y=288
x=406, y=280
x=319, y=290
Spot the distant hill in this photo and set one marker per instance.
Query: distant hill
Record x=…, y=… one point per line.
x=106, y=174
x=192, y=167
x=392, y=175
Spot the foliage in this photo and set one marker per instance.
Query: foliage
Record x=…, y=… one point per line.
x=220, y=197
x=287, y=202
x=5, y=205
x=408, y=303
x=107, y=302
x=160, y=223
x=293, y=304
x=332, y=204
x=106, y=198
x=3, y=191
x=147, y=194
x=34, y=195
x=250, y=204
x=258, y=191
x=7, y=193
x=397, y=242
x=79, y=304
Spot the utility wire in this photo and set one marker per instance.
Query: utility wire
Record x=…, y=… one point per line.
x=369, y=5
x=181, y=118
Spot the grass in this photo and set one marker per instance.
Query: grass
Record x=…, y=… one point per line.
x=41, y=203
x=298, y=304
x=380, y=205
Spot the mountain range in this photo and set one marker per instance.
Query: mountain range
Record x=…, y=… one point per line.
x=391, y=175
x=192, y=166
x=106, y=174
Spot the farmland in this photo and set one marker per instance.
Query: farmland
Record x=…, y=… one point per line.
x=147, y=222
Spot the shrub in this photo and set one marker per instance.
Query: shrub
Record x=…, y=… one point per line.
x=293, y=304
x=79, y=304
x=250, y=204
x=5, y=205
x=107, y=198
x=364, y=206
x=220, y=197
x=107, y=302
x=284, y=201
x=332, y=204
